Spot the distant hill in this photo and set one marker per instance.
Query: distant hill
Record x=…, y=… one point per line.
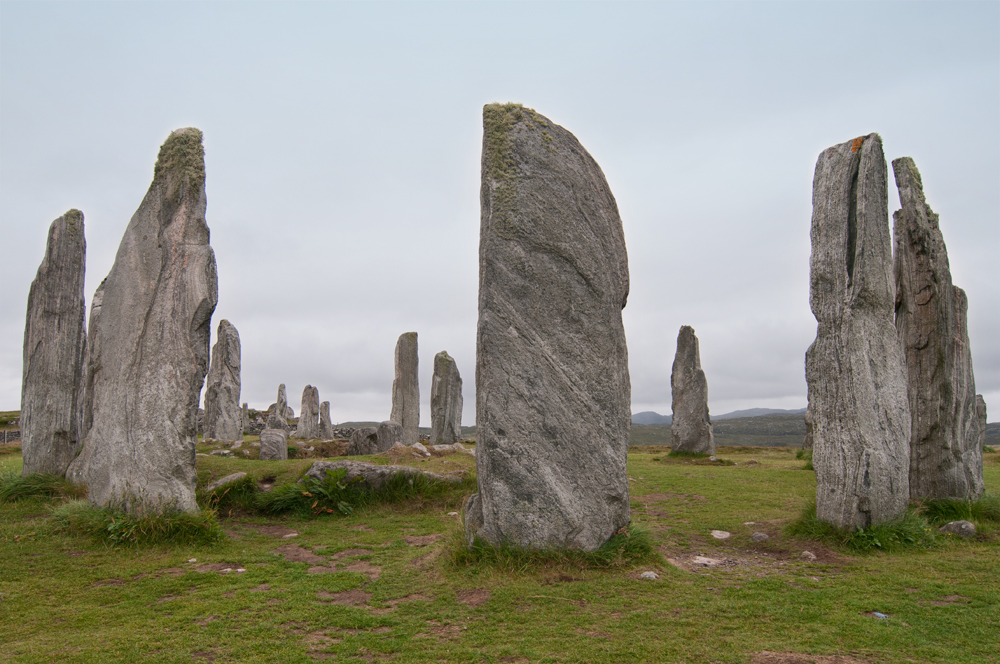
x=649, y=417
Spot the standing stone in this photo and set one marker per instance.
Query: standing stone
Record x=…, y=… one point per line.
x=325, y=425
x=691, y=426
x=446, y=401
x=308, y=427
x=389, y=433
x=223, y=415
x=273, y=445
x=406, y=388
x=946, y=457
x=278, y=412
x=54, y=351
x=855, y=370
x=153, y=338
x=981, y=416
x=552, y=384
x=92, y=363
x=246, y=415
x=364, y=440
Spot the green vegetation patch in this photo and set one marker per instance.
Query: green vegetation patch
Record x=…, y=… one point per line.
x=183, y=154
x=111, y=526
x=911, y=531
x=939, y=512
x=14, y=486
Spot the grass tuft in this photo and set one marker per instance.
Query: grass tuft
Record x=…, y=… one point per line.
x=807, y=456
x=14, y=486
x=945, y=510
x=632, y=545
x=239, y=496
x=912, y=531
x=120, y=528
x=679, y=454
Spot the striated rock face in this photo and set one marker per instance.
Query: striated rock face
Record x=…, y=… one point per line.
x=552, y=383
x=153, y=338
x=446, y=401
x=406, y=388
x=277, y=414
x=364, y=440
x=274, y=445
x=946, y=456
x=308, y=427
x=92, y=362
x=389, y=433
x=981, y=416
x=325, y=425
x=691, y=427
x=55, y=341
x=855, y=369
x=223, y=415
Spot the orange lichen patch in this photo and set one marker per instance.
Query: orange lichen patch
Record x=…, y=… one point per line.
x=856, y=145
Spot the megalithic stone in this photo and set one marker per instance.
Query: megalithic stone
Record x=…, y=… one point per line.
x=54, y=347
x=308, y=426
x=223, y=415
x=946, y=456
x=855, y=370
x=153, y=338
x=552, y=383
x=325, y=425
x=691, y=426
x=278, y=413
x=92, y=363
x=406, y=388
x=245, y=415
x=446, y=401
x=981, y=416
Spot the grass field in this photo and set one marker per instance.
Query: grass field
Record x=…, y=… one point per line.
x=382, y=585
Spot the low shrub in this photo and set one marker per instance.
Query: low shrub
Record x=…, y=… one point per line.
x=115, y=527
x=14, y=486
x=945, y=510
x=911, y=531
x=240, y=496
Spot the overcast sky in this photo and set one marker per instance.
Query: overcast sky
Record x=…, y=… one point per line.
x=343, y=144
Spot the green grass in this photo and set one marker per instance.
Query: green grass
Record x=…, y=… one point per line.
x=37, y=485
x=911, y=531
x=110, y=526
x=383, y=584
x=986, y=509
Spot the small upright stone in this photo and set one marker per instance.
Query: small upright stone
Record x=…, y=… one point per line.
x=946, y=457
x=223, y=416
x=691, y=426
x=389, y=434
x=446, y=401
x=325, y=425
x=364, y=440
x=552, y=383
x=406, y=388
x=277, y=414
x=245, y=415
x=308, y=427
x=981, y=416
x=273, y=445
x=92, y=362
x=55, y=342
x=153, y=339
x=855, y=370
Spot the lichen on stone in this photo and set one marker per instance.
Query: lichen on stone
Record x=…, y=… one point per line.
x=182, y=154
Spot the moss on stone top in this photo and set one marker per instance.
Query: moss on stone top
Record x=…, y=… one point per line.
x=74, y=220
x=182, y=154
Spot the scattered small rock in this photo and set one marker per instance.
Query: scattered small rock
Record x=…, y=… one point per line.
x=193, y=560
x=760, y=537
x=720, y=534
x=808, y=555
x=705, y=561
x=963, y=529
x=452, y=513
x=652, y=576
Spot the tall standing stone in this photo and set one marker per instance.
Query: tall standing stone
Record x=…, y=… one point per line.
x=855, y=370
x=308, y=427
x=92, y=362
x=946, y=457
x=153, y=338
x=277, y=413
x=446, y=401
x=552, y=384
x=325, y=425
x=55, y=341
x=223, y=415
x=981, y=416
x=691, y=426
x=406, y=388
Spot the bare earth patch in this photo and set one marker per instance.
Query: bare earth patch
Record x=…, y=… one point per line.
x=393, y=603
x=222, y=568
x=270, y=530
x=294, y=553
x=422, y=540
x=427, y=558
x=364, y=567
x=346, y=553
x=354, y=597
x=473, y=597
x=766, y=657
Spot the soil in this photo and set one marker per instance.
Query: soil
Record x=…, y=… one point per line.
x=354, y=597
x=473, y=597
x=294, y=553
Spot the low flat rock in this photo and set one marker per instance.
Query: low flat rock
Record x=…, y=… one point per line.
x=373, y=475
x=963, y=529
x=223, y=481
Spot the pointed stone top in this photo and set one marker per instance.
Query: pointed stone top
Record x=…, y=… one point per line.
x=911, y=188
x=182, y=155
x=74, y=220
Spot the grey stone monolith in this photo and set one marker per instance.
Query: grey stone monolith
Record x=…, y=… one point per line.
x=855, y=369
x=406, y=388
x=946, y=457
x=325, y=425
x=223, y=415
x=55, y=341
x=389, y=434
x=981, y=416
x=552, y=383
x=274, y=444
x=691, y=426
x=245, y=415
x=446, y=401
x=364, y=440
x=91, y=362
x=277, y=414
x=308, y=427
x=153, y=335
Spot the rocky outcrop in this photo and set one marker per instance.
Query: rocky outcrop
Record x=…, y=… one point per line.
x=325, y=425
x=91, y=362
x=855, y=370
x=364, y=440
x=223, y=415
x=691, y=426
x=308, y=427
x=406, y=388
x=55, y=341
x=446, y=401
x=153, y=338
x=552, y=383
x=374, y=477
x=946, y=456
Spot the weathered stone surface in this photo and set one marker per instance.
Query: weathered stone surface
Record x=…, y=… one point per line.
x=963, y=529
x=364, y=440
x=981, y=416
x=420, y=450
x=308, y=426
x=552, y=384
x=375, y=476
x=406, y=388
x=325, y=425
x=223, y=415
x=946, y=457
x=92, y=362
x=277, y=414
x=55, y=342
x=153, y=335
x=855, y=370
x=245, y=417
x=221, y=482
x=274, y=445
x=389, y=433
x=446, y=401
x=691, y=426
